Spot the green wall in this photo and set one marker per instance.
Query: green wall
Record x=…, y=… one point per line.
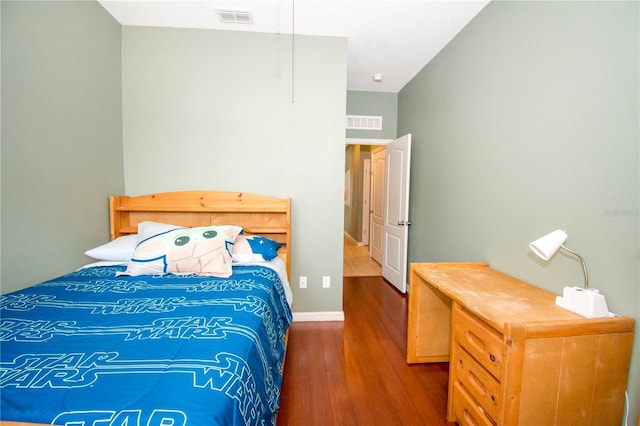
x=206, y=109
x=353, y=162
x=528, y=122
x=376, y=104
x=61, y=135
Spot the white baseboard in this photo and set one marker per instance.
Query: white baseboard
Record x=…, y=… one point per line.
x=356, y=242
x=318, y=316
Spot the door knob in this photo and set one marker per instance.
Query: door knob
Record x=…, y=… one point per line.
x=403, y=223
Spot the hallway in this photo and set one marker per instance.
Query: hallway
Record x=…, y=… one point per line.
x=356, y=260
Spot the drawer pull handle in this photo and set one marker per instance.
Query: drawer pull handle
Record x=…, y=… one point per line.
x=476, y=383
x=470, y=420
x=476, y=341
x=493, y=398
x=492, y=357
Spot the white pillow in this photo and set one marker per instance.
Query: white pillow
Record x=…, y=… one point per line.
x=119, y=250
x=203, y=250
x=149, y=229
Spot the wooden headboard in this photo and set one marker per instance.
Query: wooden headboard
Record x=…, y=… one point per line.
x=257, y=214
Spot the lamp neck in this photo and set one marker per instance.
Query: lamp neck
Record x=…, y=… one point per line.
x=584, y=266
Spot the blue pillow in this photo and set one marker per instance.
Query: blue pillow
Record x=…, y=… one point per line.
x=254, y=248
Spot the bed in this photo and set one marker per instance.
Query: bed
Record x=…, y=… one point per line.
x=110, y=344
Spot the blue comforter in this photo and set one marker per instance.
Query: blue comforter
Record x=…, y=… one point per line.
x=92, y=349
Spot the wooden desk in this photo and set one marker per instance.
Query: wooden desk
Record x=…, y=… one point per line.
x=515, y=357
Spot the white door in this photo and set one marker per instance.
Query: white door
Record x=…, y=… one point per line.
x=396, y=212
x=377, y=203
x=366, y=197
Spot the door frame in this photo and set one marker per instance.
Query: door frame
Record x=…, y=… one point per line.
x=366, y=200
x=367, y=141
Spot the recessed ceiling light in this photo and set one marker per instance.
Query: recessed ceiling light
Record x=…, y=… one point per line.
x=377, y=78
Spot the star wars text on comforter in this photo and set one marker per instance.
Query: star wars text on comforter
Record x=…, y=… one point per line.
x=92, y=349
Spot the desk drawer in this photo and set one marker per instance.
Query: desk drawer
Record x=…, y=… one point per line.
x=477, y=381
x=477, y=338
x=466, y=410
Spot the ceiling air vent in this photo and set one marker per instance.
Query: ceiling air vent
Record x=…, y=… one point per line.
x=364, y=122
x=231, y=16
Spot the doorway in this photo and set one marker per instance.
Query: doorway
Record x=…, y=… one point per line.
x=359, y=204
x=387, y=199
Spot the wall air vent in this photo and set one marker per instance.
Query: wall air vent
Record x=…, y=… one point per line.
x=364, y=122
x=231, y=16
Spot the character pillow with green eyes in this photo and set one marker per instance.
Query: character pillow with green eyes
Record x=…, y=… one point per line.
x=203, y=251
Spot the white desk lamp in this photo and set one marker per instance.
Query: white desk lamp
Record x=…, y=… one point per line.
x=584, y=301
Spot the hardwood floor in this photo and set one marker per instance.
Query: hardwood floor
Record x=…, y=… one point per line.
x=355, y=373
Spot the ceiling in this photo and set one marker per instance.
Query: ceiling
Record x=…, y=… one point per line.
x=394, y=38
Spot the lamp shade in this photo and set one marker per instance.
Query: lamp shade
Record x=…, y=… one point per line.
x=546, y=246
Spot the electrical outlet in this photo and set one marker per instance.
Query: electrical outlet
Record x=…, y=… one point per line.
x=326, y=281
x=303, y=282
